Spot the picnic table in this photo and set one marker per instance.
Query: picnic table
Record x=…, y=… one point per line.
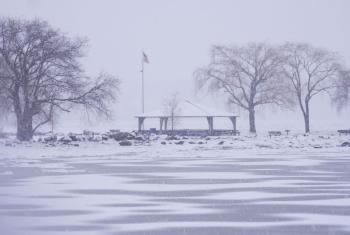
x=345, y=132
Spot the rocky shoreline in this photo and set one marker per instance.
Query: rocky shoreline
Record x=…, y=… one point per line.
x=237, y=142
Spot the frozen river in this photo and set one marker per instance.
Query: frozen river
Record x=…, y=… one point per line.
x=173, y=190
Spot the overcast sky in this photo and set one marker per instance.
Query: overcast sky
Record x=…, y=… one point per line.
x=177, y=35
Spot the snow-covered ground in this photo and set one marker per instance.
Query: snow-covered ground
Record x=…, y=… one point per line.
x=243, y=185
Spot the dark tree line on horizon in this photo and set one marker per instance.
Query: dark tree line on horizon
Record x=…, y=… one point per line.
x=288, y=75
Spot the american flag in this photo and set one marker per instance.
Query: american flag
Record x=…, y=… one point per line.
x=145, y=58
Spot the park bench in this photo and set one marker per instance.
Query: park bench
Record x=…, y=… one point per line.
x=236, y=132
x=345, y=132
x=275, y=133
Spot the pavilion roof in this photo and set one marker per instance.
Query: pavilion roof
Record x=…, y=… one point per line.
x=189, y=109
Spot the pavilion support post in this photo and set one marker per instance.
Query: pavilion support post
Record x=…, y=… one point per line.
x=166, y=124
x=140, y=122
x=234, y=123
x=211, y=125
x=161, y=120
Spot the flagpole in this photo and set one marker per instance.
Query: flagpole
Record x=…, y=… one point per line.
x=143, y=86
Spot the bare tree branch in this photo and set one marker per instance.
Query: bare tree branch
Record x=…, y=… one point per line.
x=41, y=71
x=311, y=71
x=341, y=96
x=250, y=75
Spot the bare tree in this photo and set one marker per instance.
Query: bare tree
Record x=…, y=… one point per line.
x=5, y=105
x=341, y=96
x=172, y=109
x=311, y=71
x=40, y=72
x=249, y=75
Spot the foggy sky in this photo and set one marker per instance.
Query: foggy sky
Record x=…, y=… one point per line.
x=177, y=36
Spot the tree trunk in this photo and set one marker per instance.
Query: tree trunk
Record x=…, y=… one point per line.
x=172, y=125
x=24, y=127
x=307, y=118
x=307, y=123
x=252, y=128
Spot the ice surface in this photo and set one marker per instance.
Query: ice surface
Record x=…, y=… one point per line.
x=190, y=189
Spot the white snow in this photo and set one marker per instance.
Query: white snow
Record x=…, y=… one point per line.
x=103, y=188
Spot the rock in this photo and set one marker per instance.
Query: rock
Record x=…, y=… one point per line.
x=172, y=138
x=3, y=135
x=264, y=146
x=87, y=132
x=104, y=137
x=76, y=145
x=96, y=138
x=208, y=138
x=191, y=142
x=73, y=137
x=163, y=143
x=200, y=142
x=65, y=140
x=125, y=143
x=121, y=136
x=221, y=142
x=114, y=131
x=345, y=144
x=154, y=137
x=51, y=138
x=139, y=138
x=317, y=146
x=181, y=142
x=227, y=147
